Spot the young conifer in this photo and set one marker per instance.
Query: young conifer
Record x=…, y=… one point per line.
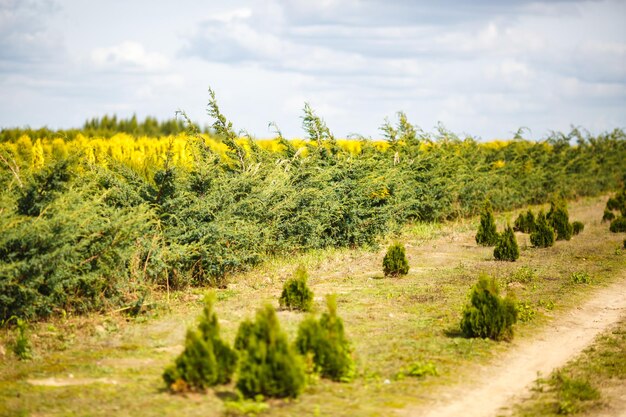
x=326, y=341
x=543, y=236
x=488, y=315
x=520, y=223
x=577, y=227
x=296, y=294
x=395, y=262
x=608, y=216
x=207, y=360
x=487, y=234
x=525, y=222
x=530, y=222
x=507, y=248
x=268, y=365
x=618, y=225
x=558, y=218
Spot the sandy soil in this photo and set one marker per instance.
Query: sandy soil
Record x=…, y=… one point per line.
x=498, y=385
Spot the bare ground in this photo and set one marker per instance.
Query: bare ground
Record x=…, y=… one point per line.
x=501, y=383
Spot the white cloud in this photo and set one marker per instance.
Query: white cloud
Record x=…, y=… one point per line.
x=484, y=68
x=128, y=56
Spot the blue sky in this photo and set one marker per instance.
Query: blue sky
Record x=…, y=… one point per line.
x=482, y=67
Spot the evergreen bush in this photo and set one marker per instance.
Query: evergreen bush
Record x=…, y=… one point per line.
x=268, y=365
x=520, y=223
x=608, y=216
x=207, y=360
x=326, y=341
x=618, y=225
x=558, y=218
x=487, y=234
x=488, y=315
x=395, y=262
x=543, y=236
x=577, y=227
x=525, y=222
x=506, y=248
x=296, y=294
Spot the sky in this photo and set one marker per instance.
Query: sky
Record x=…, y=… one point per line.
x=483, y=68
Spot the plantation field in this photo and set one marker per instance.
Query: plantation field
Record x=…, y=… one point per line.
x=111, y=363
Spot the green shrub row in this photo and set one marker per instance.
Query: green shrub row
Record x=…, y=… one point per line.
x=79, y=237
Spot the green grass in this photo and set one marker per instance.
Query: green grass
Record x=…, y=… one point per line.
x=593, y=381
x=393, y=324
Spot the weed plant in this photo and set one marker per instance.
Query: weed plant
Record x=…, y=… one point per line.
x=22, y=347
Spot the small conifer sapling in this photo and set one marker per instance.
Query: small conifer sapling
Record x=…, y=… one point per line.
x=268, y=365
x=207, y=360
x=488, y=315
x=326, y=341
x=543, y=236
x=507, y=248
x=487, y=234
x=577, y=227
x=296, y=294
x=558, y=218
x=395, y=262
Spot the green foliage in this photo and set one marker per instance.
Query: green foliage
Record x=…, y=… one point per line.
x=296, y=294
x=419, y=370
x=543, y=236
x=618, y=225
x=608, y=216
x=207, y=360
x=580, y=278
x=395, y=262
x=488, y=315
x=46, y=185
x=525, y=223
x=558, y=218
x=524, y=275
x=80, y=236
x=245, y=407
x=577, y=227
x=78, y=254
x=487, y=234
x=525, y=312
x=268, y=365
x=506, y=249
x=616, y=203
x=573, y=395
x=326, y=342
x=22, y=347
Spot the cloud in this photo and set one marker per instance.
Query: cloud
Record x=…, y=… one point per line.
x=128, y=56
x=25, y=40
x=485, y=66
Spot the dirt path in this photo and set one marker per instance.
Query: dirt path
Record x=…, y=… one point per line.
x=499, y=384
